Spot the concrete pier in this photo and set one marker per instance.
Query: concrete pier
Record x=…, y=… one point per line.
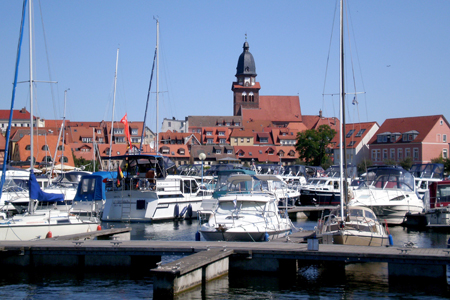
x=190, y=271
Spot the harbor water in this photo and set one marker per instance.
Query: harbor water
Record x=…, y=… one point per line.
x=359, y=281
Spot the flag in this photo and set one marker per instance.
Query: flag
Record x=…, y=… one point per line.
x=119, y=176
x=354, y=102
x=124, y=120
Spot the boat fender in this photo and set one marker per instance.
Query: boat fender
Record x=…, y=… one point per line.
x=197, y=236
x=176, y=211
x=391, y=240
x=99, y=227
x=266, y=237
x=183, y=211
x=49, y=235
x=189, y=211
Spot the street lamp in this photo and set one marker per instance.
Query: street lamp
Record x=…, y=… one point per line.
x=202, y=157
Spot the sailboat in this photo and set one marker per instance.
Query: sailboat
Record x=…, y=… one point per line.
x=349, y=225
x=39, y=223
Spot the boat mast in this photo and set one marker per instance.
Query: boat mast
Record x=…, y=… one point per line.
x=157, y=84
x=30, y=28
x=114, y=104
x=341, y=111
x=63, y=131
x=13, y=96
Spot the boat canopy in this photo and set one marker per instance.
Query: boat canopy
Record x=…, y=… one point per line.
x=92, y=187
x=36, y=193
x=390, y=177
x=428, y=171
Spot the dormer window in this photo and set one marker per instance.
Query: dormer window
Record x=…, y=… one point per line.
x=45, y=147
x=349, y=134
x=61, y=147
x=360, y=133
x=27, y=147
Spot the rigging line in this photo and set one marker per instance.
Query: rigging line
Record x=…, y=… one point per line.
x=48, y=60
x=329, y=51
x=13, y=96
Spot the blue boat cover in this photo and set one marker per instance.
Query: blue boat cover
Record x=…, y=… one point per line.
x=92, y=187
x=37, y=194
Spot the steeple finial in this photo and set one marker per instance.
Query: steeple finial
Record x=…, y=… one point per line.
x=246, y=36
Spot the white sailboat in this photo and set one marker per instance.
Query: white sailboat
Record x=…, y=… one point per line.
x=349, y=225
x=40, y=223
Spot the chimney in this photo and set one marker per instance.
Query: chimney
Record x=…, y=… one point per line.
x=320, y=113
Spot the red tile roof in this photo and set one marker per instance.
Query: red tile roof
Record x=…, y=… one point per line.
x=422, y=124
x=21, y=114
x=351, y=139
x=276, y=109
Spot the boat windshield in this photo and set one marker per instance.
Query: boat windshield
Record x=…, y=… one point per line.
x=355, y=212
x=243, y=206
x=390, y=178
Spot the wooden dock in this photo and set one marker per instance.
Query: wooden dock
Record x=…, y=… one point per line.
x=274, y=256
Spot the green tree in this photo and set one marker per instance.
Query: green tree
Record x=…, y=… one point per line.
x=390, y=162
x=444, y=161
x=363, y=165
x=312, y=145
x=406, y=163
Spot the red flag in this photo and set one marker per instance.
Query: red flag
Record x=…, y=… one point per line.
x=127, y=130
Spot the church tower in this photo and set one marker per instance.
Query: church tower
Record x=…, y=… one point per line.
x=245, y=89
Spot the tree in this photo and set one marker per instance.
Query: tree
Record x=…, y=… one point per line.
x=363, y=165
x=312, y=144
x=406, y=163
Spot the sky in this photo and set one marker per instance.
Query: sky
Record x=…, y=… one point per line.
x=396, y=57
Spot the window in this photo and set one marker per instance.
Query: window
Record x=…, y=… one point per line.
x=349, y=134
x=385, y=154
x=169, y=124
x=351, y=143
x=229, y=151
x=241, y=153
x=376, y=155
x=379, y=138
x=444, y=153
x=64, y=159
x=416, y=153
x=99, y=131
x=444, y=138
x=407, y=152
x=250, y=154
x=209, y=133
x=221, y=133
x=86, y=140
x=27, y=147
x=228, y=124
x=438, y=137
x=237, y=124
x=134, y=131
x=248, y=140
x=210, y=141
x=392, y=156
x=118, y=131
x=218, y=151
x=61, y=147
x=360, y=133
x=242, y=140
x=100, y=140
x=264, y=140
x=400, y=154
x=235, y=140
x=222, y=141
x=120, y=139
x=47, y=159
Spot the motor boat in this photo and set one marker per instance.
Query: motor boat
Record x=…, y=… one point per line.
x=390, y=192
x=247, y=212
x=425, y=174
x=143, y=192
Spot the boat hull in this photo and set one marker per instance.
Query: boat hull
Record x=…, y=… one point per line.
x=11, y=232
x=243, y=236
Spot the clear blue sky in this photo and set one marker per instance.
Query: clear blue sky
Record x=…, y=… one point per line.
x=400, y=51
